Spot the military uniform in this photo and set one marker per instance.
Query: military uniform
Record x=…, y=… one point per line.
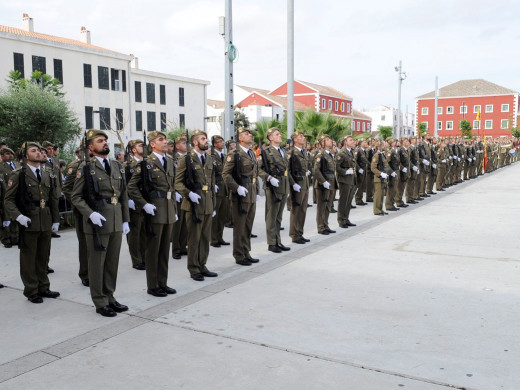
x=324, y=169
x=393, y=162
x=221, y=203
x=346, y=168
x=432, y=177
x=361, y=175
x=404, y=175
x=370, y=175
x=298, y=174
x=411, y=185
x=380, y=168
x=180, y=231
x=9, y=234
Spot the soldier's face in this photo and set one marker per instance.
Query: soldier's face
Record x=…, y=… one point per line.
x=34, y=154
x=246, y=137
x=170, y=149
x=138, y=150
x=160, y=144
x=406, y=143
x=201, y=142
x=219, y=144
x=181, y=147
x=275, y=137
x=349, y=142
x=299, y=140
x=7, y=157
x=99, y=146
x=50, y=151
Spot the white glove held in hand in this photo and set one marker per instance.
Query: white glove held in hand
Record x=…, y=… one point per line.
x=415, y=169
x=350, y=171
x=361, y=171
x=242, y=191
x=474, y=158
x=131, y=204
x=126, y=228
x=178, y=197
x=326, y=185
x=443, y=161
x=458, y=158
x=274, y=182
x=149, y=209
x=23, y=220
x=214, y=213
x=384, y=175
x=97, y=219
x=194, y=197
x=393, y=174
x=296, y=187
x=6, y=223
x=469, y=159
x=434, y=166
x=216, y=188
x=425, y=162
x=405, y=169
x=55, y=227
x=257, y=197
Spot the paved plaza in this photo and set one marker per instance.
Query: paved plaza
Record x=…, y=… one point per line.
x=424, y=298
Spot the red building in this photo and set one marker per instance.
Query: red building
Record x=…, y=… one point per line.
x=462, y=100
x=361, y=123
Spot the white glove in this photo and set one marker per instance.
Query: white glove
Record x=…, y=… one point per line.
x=415, y=169
x=131, y=204
x=450, y=157
x=462, y=156
x=425, y=162
x=274, y=182
x=458, y=158
x=308, y=173
x=257, y=197
x=361, y=171
x=126, y=228
x=97, y=219
x=296, y=187
x=474, y=159
x=176, y=217
x=418, y=171
x=393, y=174
x=405, y=169
x=384, y=175
x=443, y=161
x=178, y=197
x=55, y=227
x=350, y=171
x=194, y=197
x=149, y=209
x=242, y=191
x=6, y=223
x=434, y=166
x=216, y=188
x=23, y=220
x=451, y=164
x=470, y=160
x=326, y=185
x=214, y=213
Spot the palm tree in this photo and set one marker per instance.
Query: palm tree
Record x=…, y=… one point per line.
x=262, y=127
x=312, y=123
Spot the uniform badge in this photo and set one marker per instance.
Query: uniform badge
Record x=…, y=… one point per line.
x=10, y=183
x=122, y=170
x=318, y=159
x=78, y=174
x=138, y=169
x=70, y=171
x=228, y=159
x=131, y=171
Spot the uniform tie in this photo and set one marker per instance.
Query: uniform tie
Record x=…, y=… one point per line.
x=222, y=156
x=281, y=153
x=12, y=165
x=164, y=163
x=203, y=159
x=38, y=176
x=251, y=154
x=107, y=166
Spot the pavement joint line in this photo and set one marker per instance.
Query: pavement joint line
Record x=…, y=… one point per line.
x=323, y=358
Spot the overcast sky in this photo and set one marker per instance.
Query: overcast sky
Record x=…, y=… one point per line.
x=352, y=46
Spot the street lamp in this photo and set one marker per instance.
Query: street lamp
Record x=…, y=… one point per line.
x=401, y=76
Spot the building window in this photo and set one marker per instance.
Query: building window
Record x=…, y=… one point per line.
x=383, y=117
x=89, y=117
x=104, y=117
x=150, y=93
x=369, y=127
x=358, y=126
x=476, y=108
x=138, y=91
x=463, y=109
x=364, y=127
x=330, y=104
x=138, y=121
x=489, y=124
x=323, y=104
x=426, y=126
x=163, y=120
x=489, y=108
x=102, y=77
x=439, y=110
x=342, y=107
x=18, y=63
x=505, y=107
x=58, y=70
x=449, y=110
x=476, y=124
x=449, y=125
x=182, y=120
x=439, y=125
x=181, y=97
x=38, y=63
x=114, y=79
x=348, y=108
x=162, y=94
x=150, y=121
x=87, y=75
x=424, y=111
x=123, y=80
x=504, y=124
x=336, y=106
x=119, y=119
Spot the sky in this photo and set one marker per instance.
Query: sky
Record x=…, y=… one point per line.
x=352, y=46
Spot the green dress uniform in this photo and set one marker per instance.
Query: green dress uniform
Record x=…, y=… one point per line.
x=394, y=164
x=43, y=212
x=53, y=166
x=199, y=233
x=425, y=166
x=370, y=175
x=432, y=177
x=298, y=174
x=222, y=202
x=411, y=196
x=378, y=166
x=442, y=161
x=346, y=168
x=323, y=171
x=276, y=167
x=9, y=234
x=361, y=174
x=68, y=186
x=243, y=208
x=404, y=174
x=161, y=180
x=180, y=231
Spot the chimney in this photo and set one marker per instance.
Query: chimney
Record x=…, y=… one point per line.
x=135, y=62
x=27, y=23
x=84, y=35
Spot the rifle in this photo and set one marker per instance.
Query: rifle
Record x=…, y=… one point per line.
x=294, y=173
x=92, y=196
x=191, y=180
x=265, y=164
x=24, y=200
x=237, y=173
x=324, y=170
x=145, y=188
x=128, y=168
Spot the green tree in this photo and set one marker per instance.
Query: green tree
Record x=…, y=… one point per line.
x=465, y=128
x=385, y=131
x=515, y=133
x=241, y=119
x=30, y=111
x=263, y=126
x=421, y=129
x=366, y=135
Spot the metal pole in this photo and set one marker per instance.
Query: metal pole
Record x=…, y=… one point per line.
x=436, y=105
x=290, y=67
x=399, y=82
x=229, y=124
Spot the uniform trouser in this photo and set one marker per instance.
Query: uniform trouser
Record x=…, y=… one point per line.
x=157, y=255
x=466, y=170
x=325, y=199
x=273, y=217
x=422, y=182
x=410, y=187
x=416, y=192
x=10, y=234
x=370, y=186
x=361, y=186
x=219, y=221
x=82, y=246
x=33, y=262
x=179, y=232
x=199, y=235
x=242, y=226
x=136, y=239
x=346, y=194
x=298, y=214
x=229, y=212
x=390, y=192
x=379, y=193
x=314, y=194
x=432, y=178
x=401, y=185
x=102, y=267
x=441, y=175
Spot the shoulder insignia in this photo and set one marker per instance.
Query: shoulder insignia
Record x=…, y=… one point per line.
x=132, y=171
x=228, y=159
x=138, y=169
x=318, y=159
x=122, y=170
x=70, y=170
x=78, y=174
x=149, y=166
x=339, y=157
x=10, y=183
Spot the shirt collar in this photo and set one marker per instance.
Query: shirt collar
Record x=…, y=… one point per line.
x=245, y=149
x=159, y=156
x=33, y=169
x=100, y=159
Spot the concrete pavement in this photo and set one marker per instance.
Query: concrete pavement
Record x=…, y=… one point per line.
x=424, y=298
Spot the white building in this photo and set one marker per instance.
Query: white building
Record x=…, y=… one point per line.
x=106, y=89
x=387, y=116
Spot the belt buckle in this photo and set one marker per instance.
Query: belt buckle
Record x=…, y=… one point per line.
x=113, y=200
x=205, y=188
x=285, y=173
x=42, y=203
x=254, y=180
x=169, y=195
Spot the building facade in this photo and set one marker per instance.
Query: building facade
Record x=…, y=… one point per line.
x=388, y=116
x=462, y=100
